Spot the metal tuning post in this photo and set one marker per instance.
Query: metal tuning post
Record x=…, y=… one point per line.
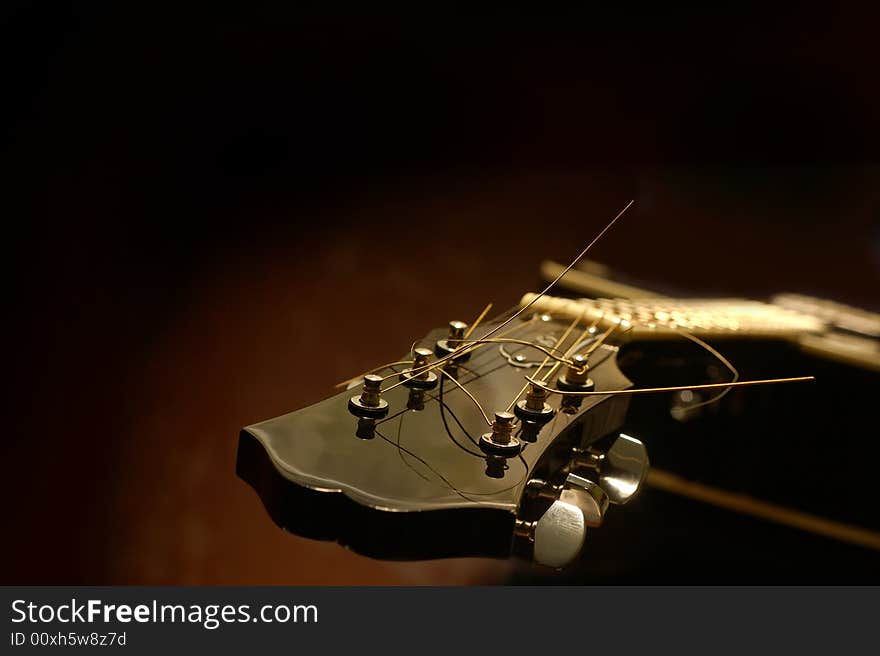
x=370, y=402
x=444, y=347
x=534, y=407
x=619, y=471
x=558, y=536
x=575, y=379
x=423, y=380
x=501, y=441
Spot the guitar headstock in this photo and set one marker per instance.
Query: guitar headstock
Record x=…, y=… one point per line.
x=457, y=459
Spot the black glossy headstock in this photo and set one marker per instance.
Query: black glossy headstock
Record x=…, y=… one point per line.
x=417, y=483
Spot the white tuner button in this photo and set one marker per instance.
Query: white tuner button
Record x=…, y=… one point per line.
x=558, y=536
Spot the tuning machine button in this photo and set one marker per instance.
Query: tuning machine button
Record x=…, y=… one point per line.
x=620, y=470
x=558, y=536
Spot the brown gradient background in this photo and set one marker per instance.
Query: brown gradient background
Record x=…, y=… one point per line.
x=222, y=215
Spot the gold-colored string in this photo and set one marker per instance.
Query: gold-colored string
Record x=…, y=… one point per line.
x=458, y=353
x=478, y=320
x=677, y=388
x=564, y=271
x=471, y=396
x=721, y=359
x=548, y=350
x=345, y=383
x=462, y=350
x=590, y=350
x=559, y=342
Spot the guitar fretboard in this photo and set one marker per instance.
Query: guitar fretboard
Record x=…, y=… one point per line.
x=664, y=318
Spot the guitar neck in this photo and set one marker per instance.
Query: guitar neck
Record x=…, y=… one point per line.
x=666, y=318
x=834, y=332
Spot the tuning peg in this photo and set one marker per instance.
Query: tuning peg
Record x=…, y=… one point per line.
x=558, y=536
x=620, y=470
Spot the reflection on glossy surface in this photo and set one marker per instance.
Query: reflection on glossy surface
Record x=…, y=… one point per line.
x=496, y=466
x=530, y=430
x=416, y=400
x=366, y=428
x=586, y=495
x=570, y=404
x=623, y=469
x=559, y=535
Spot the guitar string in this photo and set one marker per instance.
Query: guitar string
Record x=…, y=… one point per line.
x=524, y=342
x=474, y=345
x=483, y=342
x=443, y=409
x=461, y=351
x=502, y=365
x=346, y=383
x=465, y=494
x=726, y=388
x=403, y=449
x=548, y=350
x=443, y=405
x=462, y=493
x=477, y=375
x=506, y=333
x=468, y=494
x=559, y=361
x=447, y=483
x=594, y=344
x=478, y=320
x=470, y=395
x=676, y=388
x=400, y=452
x=353, y=379
x=721, y=359
x=559, y=342
x=564, y=271
x=481, y=354
x=520, y=456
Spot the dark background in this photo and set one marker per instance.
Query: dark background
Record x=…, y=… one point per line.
x=213, y=216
